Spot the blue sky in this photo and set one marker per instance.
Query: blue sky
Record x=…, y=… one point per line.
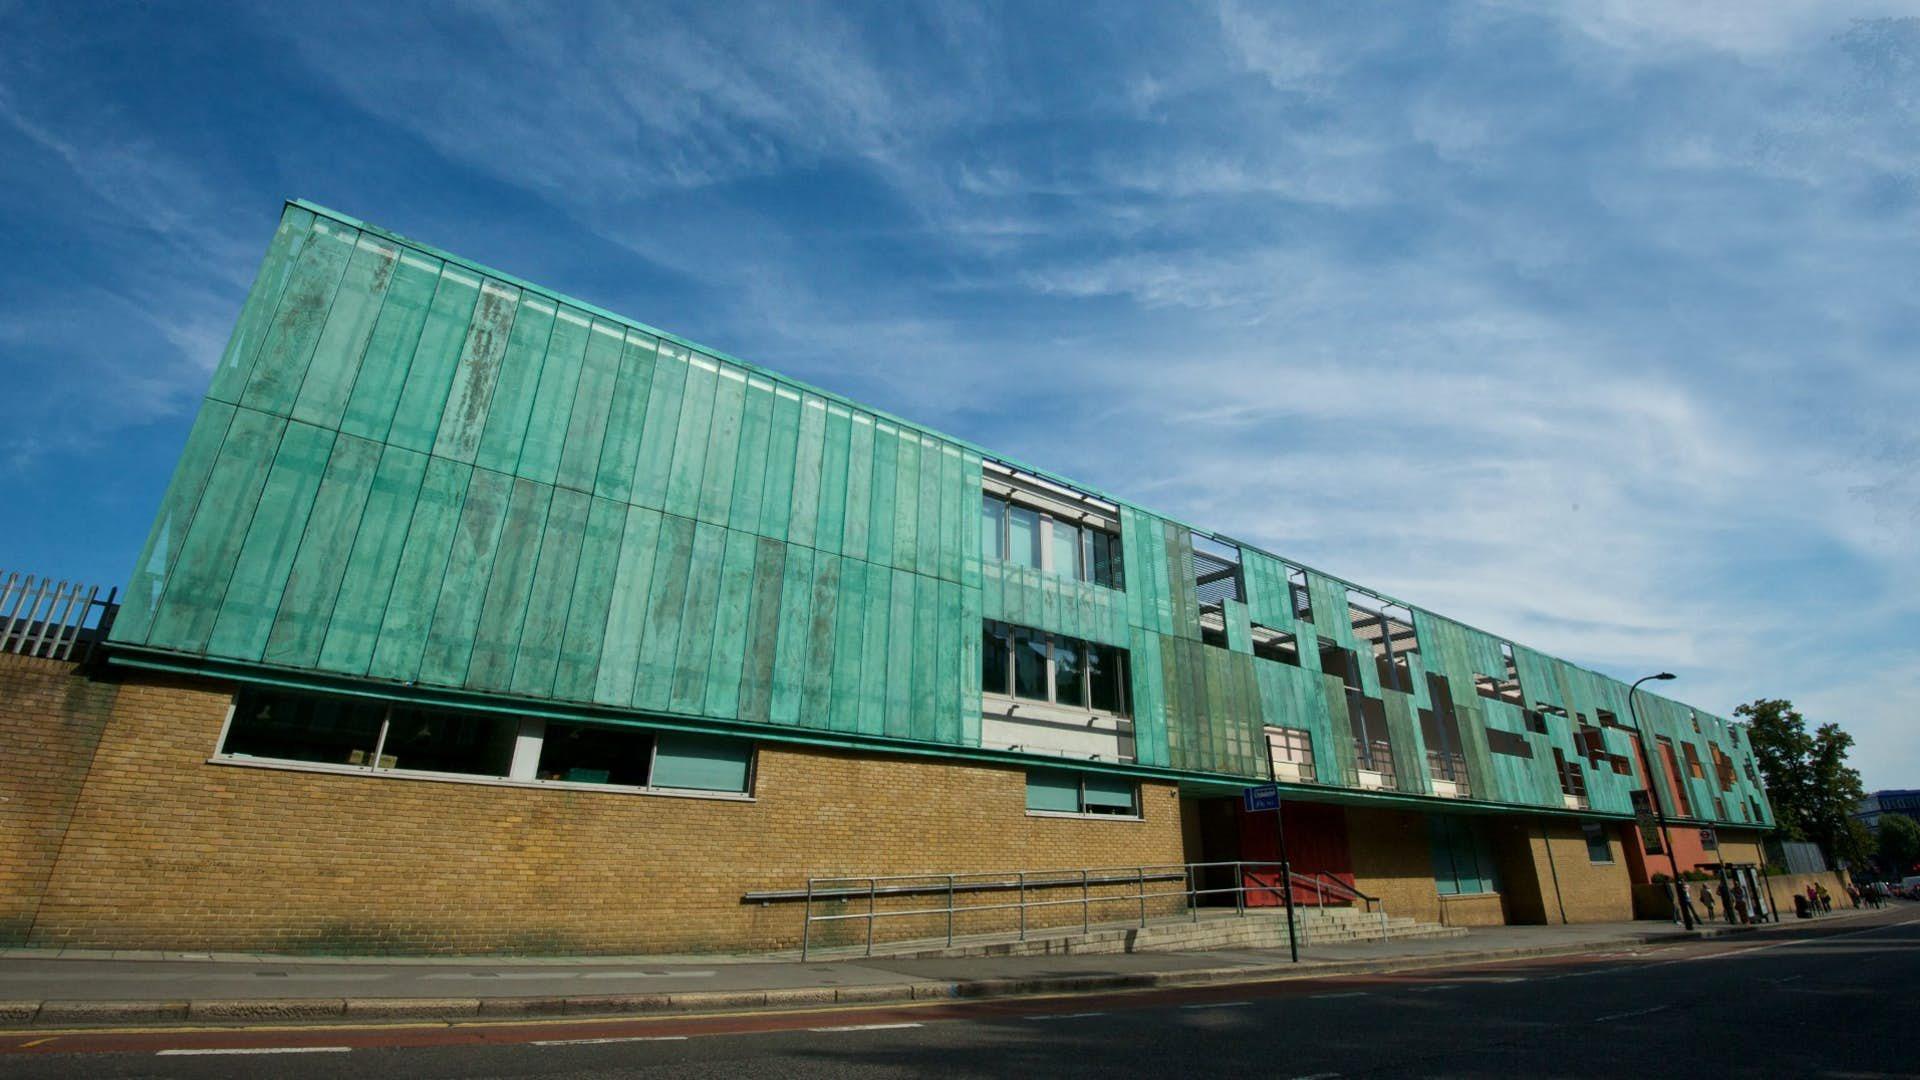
x=1591, y=324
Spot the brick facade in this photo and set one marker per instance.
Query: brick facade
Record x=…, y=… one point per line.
x=166, y=850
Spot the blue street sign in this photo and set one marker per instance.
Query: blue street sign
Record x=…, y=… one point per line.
x=1262, y=797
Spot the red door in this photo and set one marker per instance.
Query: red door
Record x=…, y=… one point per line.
x=1316, y=843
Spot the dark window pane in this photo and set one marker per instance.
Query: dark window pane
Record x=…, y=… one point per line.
x=702, y=763
x=1023, y=536
x=993, y=659
x=1066, y=549
x=327, y=731
x=1110, y=795
x=1030, y=664
x=477, y=745
x=585, y=754
x=1104, y=558
x=1107, y=675
x=993, y=514
x=1069, y=673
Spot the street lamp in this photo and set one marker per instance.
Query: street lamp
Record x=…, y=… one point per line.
x=1653, y=796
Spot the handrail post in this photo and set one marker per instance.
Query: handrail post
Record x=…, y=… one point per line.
x=1023, y=905
x=1239, y=890
x=1140, y=877
x=1086, y=908
x=873, y=885
x=949, y=911
x=1193, y=892
x=806, y=926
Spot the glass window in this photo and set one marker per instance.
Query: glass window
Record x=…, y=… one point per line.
x=1462, y=859
x=1023, y=536
x=1291, y=744
x=701, y=763
x=1598, y=849
x=1105, y=562
x=993, y=517
x=1107, y=678
x=994, y=659
x=1069, y=673
x=326, y=731
x=1110, y=795
x=592, y=754
x=1066, y=548
x=448, y=742
x=1029, y=664
x=1053, y=790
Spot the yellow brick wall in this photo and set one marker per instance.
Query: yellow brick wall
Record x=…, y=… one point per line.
x=166, y=850
x=1548, y=877
x=50, y=720
x=1393, y=860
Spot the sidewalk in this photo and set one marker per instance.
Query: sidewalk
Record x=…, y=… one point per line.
x=53, y=988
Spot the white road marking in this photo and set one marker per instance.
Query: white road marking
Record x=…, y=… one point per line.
x=1066, y=1016
x=1432, y=989
x=1218, y=1005
x=866, y=1027
x=1630, y=1015
x=647, y=975
x=258, y=1050
x=1315, y=1076
x=1345, y=994
x=619, y=1039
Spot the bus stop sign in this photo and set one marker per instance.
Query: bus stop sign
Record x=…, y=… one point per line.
x=1261, y=797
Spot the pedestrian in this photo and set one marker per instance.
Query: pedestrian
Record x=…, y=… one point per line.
x=1813, y=898
x=1853, y=895
x=1826, y=898
x=1726, y=902
x=1740, y=903
x=1682, y=905
x=1706, y=900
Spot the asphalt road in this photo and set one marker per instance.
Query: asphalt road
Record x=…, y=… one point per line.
x=1820, y=1000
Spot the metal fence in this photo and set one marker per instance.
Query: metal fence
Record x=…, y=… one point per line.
x=1098, y=892
x=43, y=618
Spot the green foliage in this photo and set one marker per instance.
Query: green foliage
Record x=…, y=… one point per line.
x=1812, y=788
x=1898, y=845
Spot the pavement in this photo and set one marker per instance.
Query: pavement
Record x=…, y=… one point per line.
x=41, y=989
x=1821, y=998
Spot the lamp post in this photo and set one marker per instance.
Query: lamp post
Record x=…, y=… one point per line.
x=1653, y=796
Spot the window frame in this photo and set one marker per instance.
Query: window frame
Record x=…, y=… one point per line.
x=1594, y=830
x=1136, y=813
x=220, y=756
x=1083, y=646
x=1046, y=523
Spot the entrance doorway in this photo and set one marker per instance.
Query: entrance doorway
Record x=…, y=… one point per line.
x=1223, y=834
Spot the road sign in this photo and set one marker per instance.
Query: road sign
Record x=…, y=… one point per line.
x=1261, y=797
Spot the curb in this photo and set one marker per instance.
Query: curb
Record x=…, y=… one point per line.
x=30, y=1015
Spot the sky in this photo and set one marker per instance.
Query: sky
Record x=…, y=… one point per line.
x=1590, y=324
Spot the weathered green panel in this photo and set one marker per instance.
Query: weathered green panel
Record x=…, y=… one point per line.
x=212, y=544
x=750, y=462
x=550, y=594
x=263, y=300
x=354, y=628
x=306, y=605
x=776, y=502
x=578, y=674
x=850, y=612
x=723, y=446
x=626, y=418
x=790, y=659
x=690, y=441
x=732, y=626
x=696, y=622
x=886, y=460
x=906, y=503
x=947, y=703
x=389, y=353
x=514, y=389
x=266, y=557
x=550, y=417
x=899, y=719
x=161, y=551
x=423, y=566
x=878, y=607
x=859, y=487
x=496, y=643
x=463, y=588
x=831, y=513
x=926, y=669
x=281, y=364
x=626, y=613
x=653, y=468
x=804, y=518
x=416, y=417
x=816, y=681
x=927, y=534
x=666, y=611
x=763, y=644
x=463, y=418
x=593, y=396
x=343, y=342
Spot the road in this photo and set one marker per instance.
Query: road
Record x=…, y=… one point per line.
x=1816, y=1000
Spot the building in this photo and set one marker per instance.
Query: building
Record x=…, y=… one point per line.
x=1902, y=801
x=475, y=618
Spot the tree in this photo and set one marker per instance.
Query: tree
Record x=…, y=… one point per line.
x=1813, y=790
x=1898, y=844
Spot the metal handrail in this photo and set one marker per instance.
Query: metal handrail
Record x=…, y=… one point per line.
x=1025, y=883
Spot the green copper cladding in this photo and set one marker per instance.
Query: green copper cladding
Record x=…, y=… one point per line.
x=412, y=474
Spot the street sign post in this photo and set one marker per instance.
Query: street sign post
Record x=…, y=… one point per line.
x=1265, y=798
